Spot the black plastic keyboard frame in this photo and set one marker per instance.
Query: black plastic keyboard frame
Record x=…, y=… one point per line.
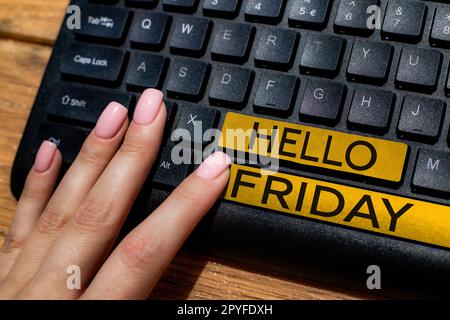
x=316, y=250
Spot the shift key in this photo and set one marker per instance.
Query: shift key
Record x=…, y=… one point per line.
x=92, y=62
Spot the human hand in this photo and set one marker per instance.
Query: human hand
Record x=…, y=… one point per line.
x=78, y=223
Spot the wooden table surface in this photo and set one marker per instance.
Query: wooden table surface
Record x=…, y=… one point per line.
x=27, y=30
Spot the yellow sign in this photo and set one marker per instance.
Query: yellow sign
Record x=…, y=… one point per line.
x=348, y=206
x=370, y=157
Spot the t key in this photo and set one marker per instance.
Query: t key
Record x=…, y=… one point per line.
x=432, y=172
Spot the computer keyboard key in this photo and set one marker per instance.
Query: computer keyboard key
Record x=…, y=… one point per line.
x=322, y=101
x=230, y=86
x=184, y=6
x=276, y=48
x=404, y=20
x=267, y=11
x=149, y=30
x=187, y=79
x=92, y=62
x=421, y=119
x=432, y=172
x=440, y=32
x=81, y=105
x=363, y=59
x=371, y=110
x=221, y=8
x=352, y=17
x=322, y=55
x=68, y=139
x=309, y=14
x=276, y=94
x=190, y=36
x=232, y=42
x=148, y=4
x=193, y=122
x=168, y=172
x=103, y=23
x=418, y=69
x=145, y=70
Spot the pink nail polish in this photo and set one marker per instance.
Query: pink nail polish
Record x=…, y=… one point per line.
x=111, y=120
x=214, y=166
x=44, y=157
x=148, y=107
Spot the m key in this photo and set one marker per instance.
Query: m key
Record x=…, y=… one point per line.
x=432, y=172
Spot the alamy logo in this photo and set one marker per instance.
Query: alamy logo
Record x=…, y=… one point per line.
x=374, y=280
x=73, y=281
x=73, y=21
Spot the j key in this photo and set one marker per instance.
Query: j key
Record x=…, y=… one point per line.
x=190, y=36
x=268, y=11
x=193, y=122
x=440, y=33
x=367, y=54
x=168, y=173
x=322, y=101
x=404, y=20
x=371, y=110
x=309, y=14
x=68, y=139
x=142, y=3
x=221, y=8
x=149, y=30
x=432, y=172
x=322, y=55
x=92, y=62
x=418, y=69
x=145, y=70
x=79, y=105
x=187, y=79
x=276, y=48
x=352, y=17
x=421, y=118
x=232, y=42
x=276, y=94
x=103, y=23
x=230, y=86
x=180, y=5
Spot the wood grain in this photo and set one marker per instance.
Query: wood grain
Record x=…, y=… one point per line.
x=191, y=275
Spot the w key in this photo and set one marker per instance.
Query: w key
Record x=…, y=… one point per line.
x=190, y=36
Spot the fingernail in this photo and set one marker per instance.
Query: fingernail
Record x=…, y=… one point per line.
x=214, y=166
x=148, y=107
x=111, y=120
x=44, y=157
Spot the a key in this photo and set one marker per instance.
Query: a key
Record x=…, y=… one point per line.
x=322, y=101
x=230, y=86
x=371, y=110
x=432, y=172
x=267, y=11
x=367, y=54
x=221, y=8
x=276, y=94
x=168, y=172
x=79, y=105
x=440, y=32
x=322, y=55
x=352, y=17
x=185, y=6
x=232, y=42
x=149, y=30
x=418, y=69
x=404, y=20
x=187, y=79
x=68, y=139
x=148, y=4
x=92, y=62
x=103, y=23
x=190, y=36
x=276, y=48
x=309, y=14
x=421, y=119
x=145, y=70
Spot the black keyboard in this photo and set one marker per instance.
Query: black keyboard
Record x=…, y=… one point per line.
x=348, y=99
